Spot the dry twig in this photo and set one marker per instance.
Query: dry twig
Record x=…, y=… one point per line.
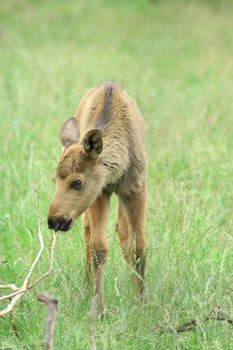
x=8, y=286
x=52, y=304
x=19, y=292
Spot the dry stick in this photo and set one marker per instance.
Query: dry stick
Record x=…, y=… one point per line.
x=20, y=290
x=23, y=289
x=8, y=286
x=46, y=274
x=52, y=304
x=92, y=316
x=215, y=314
x=17, y=294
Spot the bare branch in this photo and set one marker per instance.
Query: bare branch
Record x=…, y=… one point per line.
x=52, y=249
x=35, y=262
x=8, y=286
x=19, y=292
x=52, y=304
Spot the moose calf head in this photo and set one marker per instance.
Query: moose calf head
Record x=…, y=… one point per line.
x=78, y=177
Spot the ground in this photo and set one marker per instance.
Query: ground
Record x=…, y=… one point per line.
x=175, y=59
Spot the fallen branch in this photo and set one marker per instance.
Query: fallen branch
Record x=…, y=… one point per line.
x=52, y=249
x=19, y=292
x=216, y=314
x=52, y=305
x=8, y=286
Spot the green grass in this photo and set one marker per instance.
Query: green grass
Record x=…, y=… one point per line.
x=175, y=59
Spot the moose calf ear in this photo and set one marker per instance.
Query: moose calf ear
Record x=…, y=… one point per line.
x=93, y=143
x=69, y=133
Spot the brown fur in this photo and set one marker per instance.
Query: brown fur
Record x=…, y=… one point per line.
x=104, y=148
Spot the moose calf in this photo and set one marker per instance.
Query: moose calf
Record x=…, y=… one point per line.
x=103, y=153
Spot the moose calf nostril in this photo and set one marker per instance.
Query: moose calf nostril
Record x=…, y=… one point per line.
x=59, y=224
x=50, y=223
x=65, y=224
x=54, y=224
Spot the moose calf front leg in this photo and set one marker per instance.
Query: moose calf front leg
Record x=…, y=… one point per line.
x=99, y=245
x=98, y=259
x=87, y=236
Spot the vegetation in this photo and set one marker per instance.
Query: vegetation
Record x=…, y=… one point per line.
x=175, y=59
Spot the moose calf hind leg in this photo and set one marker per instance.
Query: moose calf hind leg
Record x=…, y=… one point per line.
x=140, y=266
x=134, y=208
x=126, y=241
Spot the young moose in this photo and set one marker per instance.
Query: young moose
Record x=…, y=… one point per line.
x=103, y=153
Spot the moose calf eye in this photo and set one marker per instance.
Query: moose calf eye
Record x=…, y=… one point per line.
x=77, y=185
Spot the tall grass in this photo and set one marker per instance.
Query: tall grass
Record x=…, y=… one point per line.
x=175, y=59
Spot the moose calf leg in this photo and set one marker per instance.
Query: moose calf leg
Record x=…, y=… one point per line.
x=99, y=245
x=99, y=258
x=87, y=235
x=134, y=206
x=123, y=233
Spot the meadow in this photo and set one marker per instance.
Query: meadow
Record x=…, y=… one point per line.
x=175, y=59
